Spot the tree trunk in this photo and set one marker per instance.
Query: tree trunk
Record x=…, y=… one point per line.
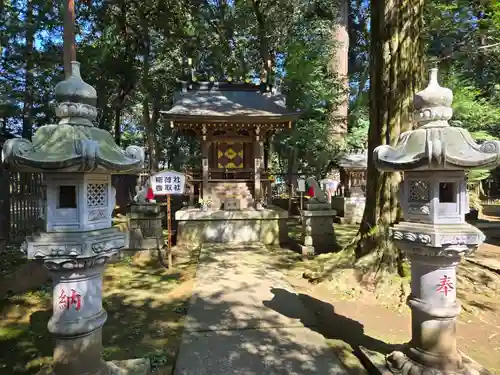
x=292, y=177
x=118, y=130
x=264, y=48
x=149, y=117
x=28, y=75
x=69, y=36
x=396, y=74
x=483, y=10
x=339, y=66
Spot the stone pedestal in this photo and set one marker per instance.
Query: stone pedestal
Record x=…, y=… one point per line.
x=434, y=252
x=76, y=262
x=146, y=226
x=266, y=226
x=318, y=234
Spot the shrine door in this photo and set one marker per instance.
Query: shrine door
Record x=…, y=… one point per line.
x=230, y=155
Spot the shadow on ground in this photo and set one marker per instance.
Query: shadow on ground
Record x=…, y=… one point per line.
x=246, y=319
x=331, y=325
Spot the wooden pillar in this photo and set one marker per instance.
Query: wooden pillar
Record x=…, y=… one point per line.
x=204, y=163
x=268, y=168
x=257, y=154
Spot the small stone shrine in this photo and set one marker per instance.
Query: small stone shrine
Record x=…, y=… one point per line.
x=317, y=222
x=435, y=236
x=77, y=160
x=351, y=199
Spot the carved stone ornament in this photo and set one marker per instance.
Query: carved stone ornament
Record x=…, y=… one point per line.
x=413, y=237
x=452, y=251
x=60, y=247
x=97, y=215
x=44, y=251
x=109, y=245
x=400, y=364
x=419, y=210
x=70, y=264
x=74, y=144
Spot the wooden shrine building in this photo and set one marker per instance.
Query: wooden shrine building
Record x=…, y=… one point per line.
x=234, y=122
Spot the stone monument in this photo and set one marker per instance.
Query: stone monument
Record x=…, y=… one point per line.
x=350, y=205
x=77, y=160
x=435, y=236
x=317, y=222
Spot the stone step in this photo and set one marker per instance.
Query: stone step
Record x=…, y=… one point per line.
x=225, y=189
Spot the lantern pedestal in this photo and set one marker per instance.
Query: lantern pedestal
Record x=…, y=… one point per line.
x=76, y=262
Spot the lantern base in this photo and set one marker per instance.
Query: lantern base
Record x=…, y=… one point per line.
x=399, y=363
x=139, y=366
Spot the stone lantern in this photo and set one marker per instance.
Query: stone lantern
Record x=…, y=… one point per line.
x=77, y=160
x=435, y=158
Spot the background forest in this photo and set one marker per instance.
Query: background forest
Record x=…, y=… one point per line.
x=134, y=52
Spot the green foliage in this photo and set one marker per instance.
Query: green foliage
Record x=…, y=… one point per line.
x=474, y=112
x=231, y=39
x=313, y=90
x=359, y=122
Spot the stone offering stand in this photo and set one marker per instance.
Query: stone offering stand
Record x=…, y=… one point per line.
x=434, y=234
x=145, y=225
x=317, y=223
x=77, y=160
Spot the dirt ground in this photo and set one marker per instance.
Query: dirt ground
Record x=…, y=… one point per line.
x=356, y=316
x=145, y=303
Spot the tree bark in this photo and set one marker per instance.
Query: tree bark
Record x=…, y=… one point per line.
x=28, y=75
x=264, y=48
x=339, y=66
x=150, y=115
x=396, y=73
x=118, y=130
x=69, y=36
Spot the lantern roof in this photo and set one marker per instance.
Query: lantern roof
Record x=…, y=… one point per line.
x=434, y=144
x=74, y=144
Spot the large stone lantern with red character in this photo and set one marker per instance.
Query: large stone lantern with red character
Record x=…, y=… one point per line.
x=435, y=158
x=77, y=160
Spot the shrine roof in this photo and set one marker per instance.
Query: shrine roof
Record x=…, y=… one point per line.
x=241, y=103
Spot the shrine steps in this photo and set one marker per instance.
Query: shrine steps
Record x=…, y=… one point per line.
x=221, y=191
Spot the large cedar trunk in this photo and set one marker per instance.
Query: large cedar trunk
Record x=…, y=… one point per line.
x=339, y=66
x=150, y=113
x=69, y=36
x=28, y=90
x=396, y=73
